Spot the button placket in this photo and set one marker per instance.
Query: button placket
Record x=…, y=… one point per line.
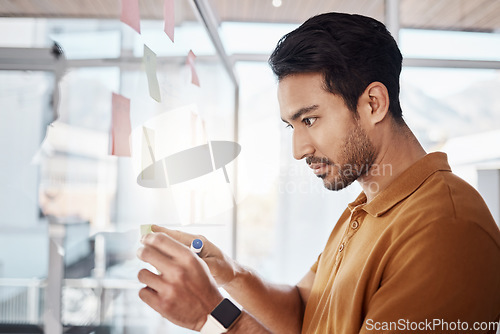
x=354, y=224
x=350, y=230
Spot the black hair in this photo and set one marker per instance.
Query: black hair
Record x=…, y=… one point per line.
x=351, y=51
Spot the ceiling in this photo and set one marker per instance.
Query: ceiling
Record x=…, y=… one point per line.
x=470, y=15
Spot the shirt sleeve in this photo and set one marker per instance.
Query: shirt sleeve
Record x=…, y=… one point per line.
x=419, y=290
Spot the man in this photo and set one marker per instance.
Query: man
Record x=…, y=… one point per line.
x=416, y=252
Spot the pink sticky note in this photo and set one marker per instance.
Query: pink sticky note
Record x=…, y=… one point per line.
x=120, y=126
x=169, y=17
x=190, y=61
x=130, y=14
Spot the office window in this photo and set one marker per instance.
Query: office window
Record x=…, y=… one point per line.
x=438, y=44
x=455, y=111
x=71, y=176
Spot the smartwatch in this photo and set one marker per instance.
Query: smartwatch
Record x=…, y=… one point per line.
x=222, y=318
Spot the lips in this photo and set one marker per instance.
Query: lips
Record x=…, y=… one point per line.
x=319, y=168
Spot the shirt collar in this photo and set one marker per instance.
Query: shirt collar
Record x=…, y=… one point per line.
x=404, y=185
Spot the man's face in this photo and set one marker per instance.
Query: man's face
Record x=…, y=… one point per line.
x=325, y=131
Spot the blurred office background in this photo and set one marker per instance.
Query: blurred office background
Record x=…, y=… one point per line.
x=70, y=212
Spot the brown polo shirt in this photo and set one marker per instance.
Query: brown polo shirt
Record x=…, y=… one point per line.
x=422, y=257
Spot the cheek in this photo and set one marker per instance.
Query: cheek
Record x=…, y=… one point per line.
x=327, y=144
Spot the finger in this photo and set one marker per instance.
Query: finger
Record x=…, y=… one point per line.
x=150, y=279
x=167, y=246
x=182, y=237
x=154, y=257
x=186, y=239
x=171, y=271
x=163, y=263
x=150, y=297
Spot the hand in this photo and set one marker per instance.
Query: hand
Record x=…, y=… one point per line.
x=221, y=266
x=184, y=292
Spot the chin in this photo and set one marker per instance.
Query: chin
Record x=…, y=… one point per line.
x=336, y=184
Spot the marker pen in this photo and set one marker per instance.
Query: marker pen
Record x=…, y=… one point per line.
x=197, y=246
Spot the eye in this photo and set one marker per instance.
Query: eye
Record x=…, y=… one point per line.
x=289, y=126
x=309, y=121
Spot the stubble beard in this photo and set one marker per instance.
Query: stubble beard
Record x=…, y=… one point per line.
x=358, y=155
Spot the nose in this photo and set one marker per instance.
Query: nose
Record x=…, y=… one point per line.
x=301, y=144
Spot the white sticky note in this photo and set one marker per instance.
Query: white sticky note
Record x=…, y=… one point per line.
x=148, y=153
x=145, y=229
x=149, y=60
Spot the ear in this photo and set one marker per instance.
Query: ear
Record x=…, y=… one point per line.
x=374, y=103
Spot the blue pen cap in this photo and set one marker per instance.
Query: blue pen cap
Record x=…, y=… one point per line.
x=197, y=244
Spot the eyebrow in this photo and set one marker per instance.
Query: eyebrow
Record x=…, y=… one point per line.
x=301, y=112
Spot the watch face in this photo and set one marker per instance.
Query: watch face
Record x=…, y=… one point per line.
x=226, y=313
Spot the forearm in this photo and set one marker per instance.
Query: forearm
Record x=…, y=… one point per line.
x=248, y=324
x=278, y=307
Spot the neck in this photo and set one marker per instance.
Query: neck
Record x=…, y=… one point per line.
x=398, y=150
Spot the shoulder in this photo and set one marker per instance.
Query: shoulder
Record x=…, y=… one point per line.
x=446, y=201
x=447, y=194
